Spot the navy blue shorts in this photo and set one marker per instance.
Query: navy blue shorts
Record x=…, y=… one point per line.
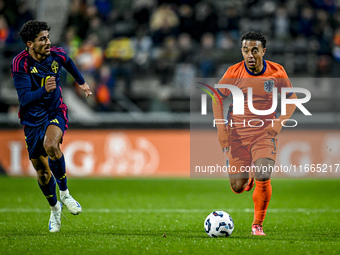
x=34, y=136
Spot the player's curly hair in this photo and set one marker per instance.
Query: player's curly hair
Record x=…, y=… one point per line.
x=31, y=29
x=254, y=36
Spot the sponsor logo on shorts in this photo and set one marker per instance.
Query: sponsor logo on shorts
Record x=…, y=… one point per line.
x=54, y=121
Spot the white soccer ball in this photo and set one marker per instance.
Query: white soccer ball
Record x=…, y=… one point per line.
x=219, y=223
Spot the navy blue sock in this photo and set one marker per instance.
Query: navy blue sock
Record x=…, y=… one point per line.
x=59, y=171
x=49, y=191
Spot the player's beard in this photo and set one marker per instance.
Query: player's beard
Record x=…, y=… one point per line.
x=252, y=68
x=44, y=55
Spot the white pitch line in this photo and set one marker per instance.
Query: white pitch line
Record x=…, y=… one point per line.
x=141, y=210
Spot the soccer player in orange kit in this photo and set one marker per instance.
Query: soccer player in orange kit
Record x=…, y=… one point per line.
x=250, y=138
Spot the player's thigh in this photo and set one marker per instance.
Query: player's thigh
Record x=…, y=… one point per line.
x=264, y=147
x=238, y=159
x=53, y=135
x=264, y=156
x=239, y=163
x=55, y=130
x=34, y=137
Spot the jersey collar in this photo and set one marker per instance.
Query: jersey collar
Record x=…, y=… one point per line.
x=256, y=74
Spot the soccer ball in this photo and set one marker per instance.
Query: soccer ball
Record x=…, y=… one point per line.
x=219, y=223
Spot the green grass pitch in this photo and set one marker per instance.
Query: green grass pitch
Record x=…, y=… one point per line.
x=165, y=216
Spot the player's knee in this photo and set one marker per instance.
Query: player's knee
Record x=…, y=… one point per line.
x=51, y=148
x=237, y=186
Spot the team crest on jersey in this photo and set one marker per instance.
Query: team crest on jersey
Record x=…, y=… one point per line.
x=55, y=66
x=268, y=86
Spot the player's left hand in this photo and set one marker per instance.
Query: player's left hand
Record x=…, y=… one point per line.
x=275, y=130
x=86, y=88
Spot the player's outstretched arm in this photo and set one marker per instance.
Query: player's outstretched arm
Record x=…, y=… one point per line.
x=73, y=70
x=86, y=88
x=222, y=129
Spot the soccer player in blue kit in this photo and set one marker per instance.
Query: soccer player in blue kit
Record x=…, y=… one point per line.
x=36, y=76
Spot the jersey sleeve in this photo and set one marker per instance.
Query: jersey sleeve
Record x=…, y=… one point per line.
x=284, y=81
x=22, y=83
x=226, y=79
x=69, y=65
x=73, y=70
x=223, y=93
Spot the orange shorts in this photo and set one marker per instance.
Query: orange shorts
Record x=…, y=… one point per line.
x=243, y=152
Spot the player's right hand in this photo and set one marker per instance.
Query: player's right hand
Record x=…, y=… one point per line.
x=275, y=130
x=224, y=137
x=50, y=84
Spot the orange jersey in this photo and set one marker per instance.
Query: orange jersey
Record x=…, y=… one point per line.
x=249, y=124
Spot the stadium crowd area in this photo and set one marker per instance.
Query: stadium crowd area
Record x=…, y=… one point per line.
x=124, y=48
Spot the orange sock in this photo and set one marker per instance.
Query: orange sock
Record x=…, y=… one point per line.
x=261, y=198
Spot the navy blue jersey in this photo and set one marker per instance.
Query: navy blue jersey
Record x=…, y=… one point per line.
x=30, y=76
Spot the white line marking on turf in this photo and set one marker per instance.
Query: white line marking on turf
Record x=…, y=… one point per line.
x=155, y=210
